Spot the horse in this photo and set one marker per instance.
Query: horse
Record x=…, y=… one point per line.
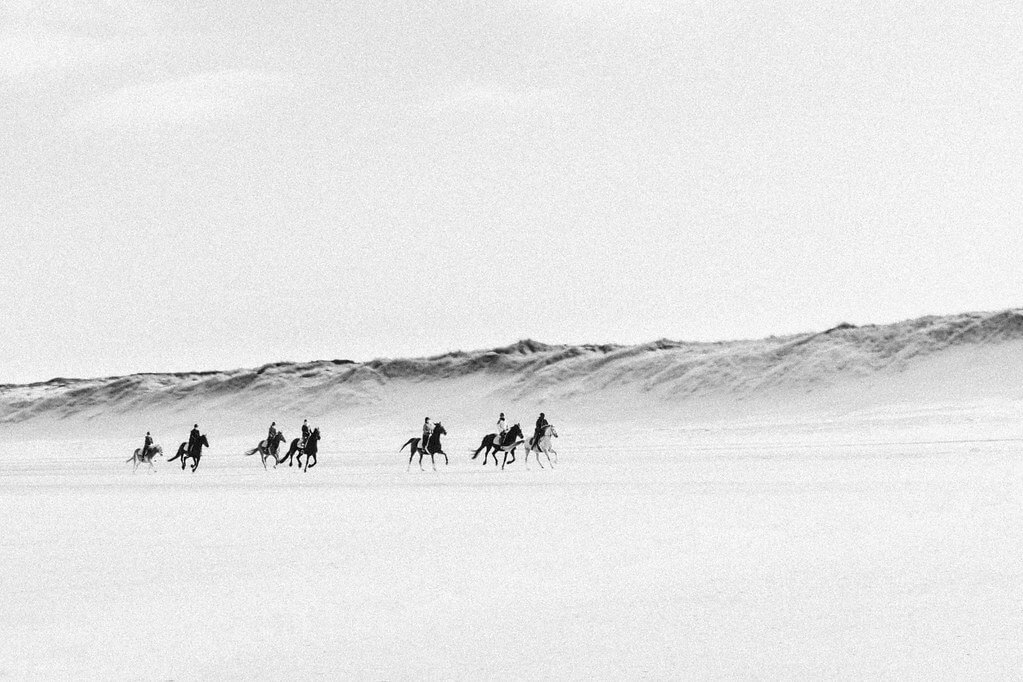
x=432, y=448
x=148, y=459
x=268, y=450
x=543, y=444
x=294, y=453
x=184, y=454
x=311, y=446
x=512, y=439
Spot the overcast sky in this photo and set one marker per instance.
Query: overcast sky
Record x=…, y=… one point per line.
x=194, y=185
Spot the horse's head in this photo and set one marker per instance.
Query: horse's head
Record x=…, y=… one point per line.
x=515, y=431
x=203, y=441
x=280, y=437
x=551, y=431
x=439, y=428
x=316, y=433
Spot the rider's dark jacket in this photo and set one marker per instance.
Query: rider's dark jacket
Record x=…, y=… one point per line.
x=193, y=439
x=541, y=423
x=148, y=444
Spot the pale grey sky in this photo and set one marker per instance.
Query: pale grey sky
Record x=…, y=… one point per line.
x=192, y=185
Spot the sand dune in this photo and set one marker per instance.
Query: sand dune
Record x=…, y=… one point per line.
x=951, y=360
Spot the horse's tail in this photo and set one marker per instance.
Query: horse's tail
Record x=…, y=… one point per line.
x=252, y=451
x=408, y=443
x=483, y=444
x=130, y=458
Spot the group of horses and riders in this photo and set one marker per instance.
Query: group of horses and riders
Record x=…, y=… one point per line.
x=506, y=440
x=192, y=449
x=306, y=446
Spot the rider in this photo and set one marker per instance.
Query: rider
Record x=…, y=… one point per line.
x=541, y=424
x=305, y=432
x=193, y=438
x=427, y=432
x=148, y=444
x=271, y=436
x=502, y=429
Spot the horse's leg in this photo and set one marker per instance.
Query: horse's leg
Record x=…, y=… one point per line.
x=548, y=453
x=411, y=454
x=503, y=461
x=512, y=453
x=433, y=462
x=538, y=451
x=421, y=461
x=446, y=462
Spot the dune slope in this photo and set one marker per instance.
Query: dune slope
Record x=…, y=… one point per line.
x=950, y=359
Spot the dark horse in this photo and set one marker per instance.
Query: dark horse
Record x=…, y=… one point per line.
x=296, y=450
x=195, y=454
x=512, y=439
x=312, y=444
x=267, y=450
x=432, y=448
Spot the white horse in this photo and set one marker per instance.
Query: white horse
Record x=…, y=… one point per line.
x=148, y=459
x=543, y=444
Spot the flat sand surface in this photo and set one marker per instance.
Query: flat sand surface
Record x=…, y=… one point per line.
x=848, y=551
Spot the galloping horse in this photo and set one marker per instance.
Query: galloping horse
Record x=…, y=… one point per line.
x=512, y=439
x=432, y=448
x=268, y=450
x=311, y=446
x=148, y=459
x=294, y=453
x=196, y=455
x=543, y=444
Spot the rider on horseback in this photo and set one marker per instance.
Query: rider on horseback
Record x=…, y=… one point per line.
x=541, y=424
x=305, y=432
x=427, y=432
x=271, y=434
x=145, y=446
x=502, y=429
x=193, y=439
